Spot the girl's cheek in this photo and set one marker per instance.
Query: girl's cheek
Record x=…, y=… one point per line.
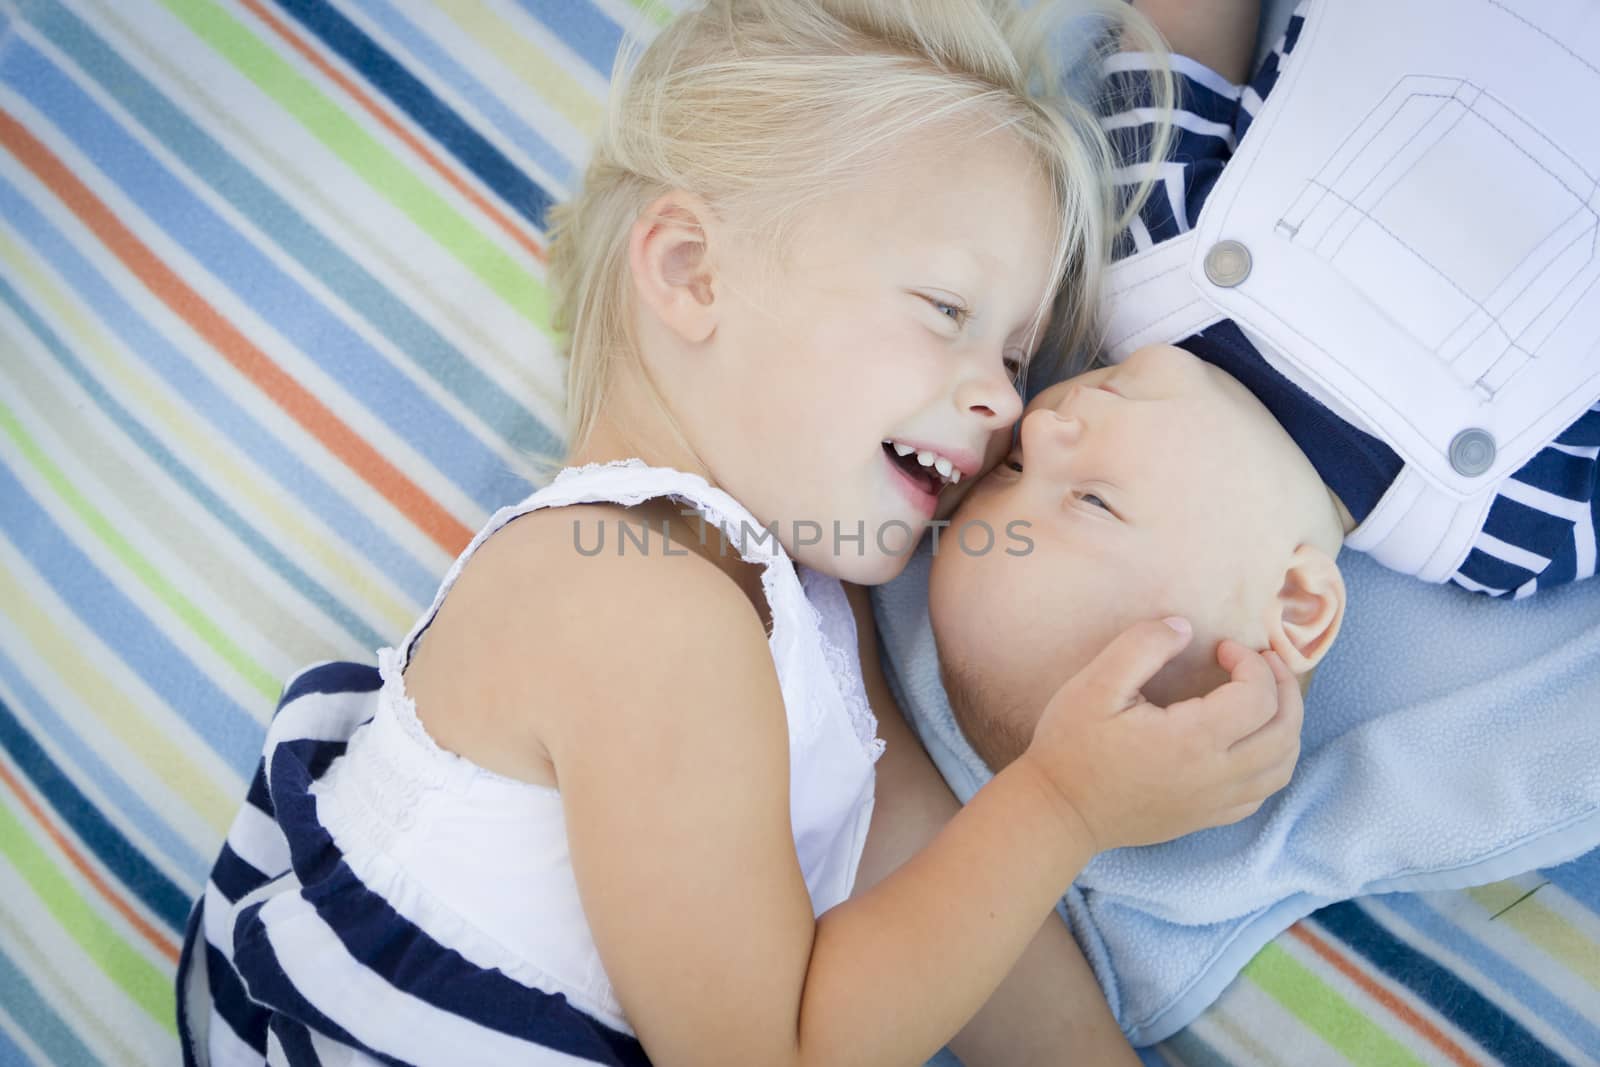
x=999, y=445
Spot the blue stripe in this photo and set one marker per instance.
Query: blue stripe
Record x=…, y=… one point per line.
x=193, y=940
x=11, y=1055
x=1519, y=524
x=1556, y=472
x=126, y=631
x=268, y=984
x=1495, y=573
x=1473, y=1013
x=384, y=942
x=236, y=261
x=260, y=797
x=246, y=1018
x=1579, y=879
x=295, y=1040
x=33, y=1015
x=581, y=27
x=232, y=422
x=1291, y=36
x=119, y=797
x=235, y=878
x=1540, y=1001
x=278, y=221
x=337, y=677
x=1563, y=566
x=410, y=95
x=1125, y=90
x=508, y=122
x=167, y=462
x=1193, y=1051
x=119, y=856
x=1585, y=433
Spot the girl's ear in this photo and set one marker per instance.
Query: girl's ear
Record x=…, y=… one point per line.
x=1309, y=608
x=669, y=259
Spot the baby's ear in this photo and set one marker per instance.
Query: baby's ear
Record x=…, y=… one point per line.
x=1305, y=618
x=671, y=267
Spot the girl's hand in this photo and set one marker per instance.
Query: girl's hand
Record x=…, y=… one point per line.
x=1136, y=774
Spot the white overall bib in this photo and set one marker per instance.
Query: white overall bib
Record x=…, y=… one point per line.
x=1409, y=233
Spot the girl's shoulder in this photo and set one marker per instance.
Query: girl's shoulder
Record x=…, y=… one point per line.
x=538, y=623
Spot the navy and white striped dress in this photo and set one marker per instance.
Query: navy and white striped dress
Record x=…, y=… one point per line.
x=382, y=900
x=1543, y=527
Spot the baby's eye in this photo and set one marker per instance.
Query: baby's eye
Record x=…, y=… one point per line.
x=1093, y=501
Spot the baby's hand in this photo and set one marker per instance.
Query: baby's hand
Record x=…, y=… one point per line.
x=1134, y=773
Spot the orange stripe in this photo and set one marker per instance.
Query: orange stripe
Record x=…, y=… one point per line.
x=249, y=360
x=371, y=107
x=1403, y=1011
x=162, y=945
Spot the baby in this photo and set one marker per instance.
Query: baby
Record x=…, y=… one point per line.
x=1369, y=236
x=1217, y=476
x=1160, y=486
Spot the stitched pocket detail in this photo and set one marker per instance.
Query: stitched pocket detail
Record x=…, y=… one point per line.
x=1467, y=227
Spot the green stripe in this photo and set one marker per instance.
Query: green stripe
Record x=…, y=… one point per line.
x=146, y=985
x=1510, y=904
x=379, y=168
x=655, y=10
x=254, y=674
x=1325, y=1012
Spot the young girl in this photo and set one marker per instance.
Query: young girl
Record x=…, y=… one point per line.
x=613, y=807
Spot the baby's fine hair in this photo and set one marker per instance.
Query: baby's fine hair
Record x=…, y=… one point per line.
x=761, y=108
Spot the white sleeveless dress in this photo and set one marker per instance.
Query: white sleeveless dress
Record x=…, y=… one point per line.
x=382, y=900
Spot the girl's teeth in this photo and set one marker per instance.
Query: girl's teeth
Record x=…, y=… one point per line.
x=947, y=470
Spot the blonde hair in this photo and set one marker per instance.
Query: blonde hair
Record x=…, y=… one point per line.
x=763, y=107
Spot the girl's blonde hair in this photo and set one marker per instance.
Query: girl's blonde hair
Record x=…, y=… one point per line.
x=763, y=107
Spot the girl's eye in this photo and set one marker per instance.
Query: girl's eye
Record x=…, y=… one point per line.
x=1015, y=464
x=954, y=312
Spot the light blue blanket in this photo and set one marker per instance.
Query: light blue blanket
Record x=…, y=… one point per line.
x=1450, y=740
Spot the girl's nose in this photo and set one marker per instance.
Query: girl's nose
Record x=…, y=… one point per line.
x=991, y=397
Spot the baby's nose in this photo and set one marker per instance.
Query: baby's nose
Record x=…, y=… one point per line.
x=1049, y=431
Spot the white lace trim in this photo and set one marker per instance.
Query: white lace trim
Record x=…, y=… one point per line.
x=566, y=473
x=632, y=481
x=442, y=764
x=845, y=667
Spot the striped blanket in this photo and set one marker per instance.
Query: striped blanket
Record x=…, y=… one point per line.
x=273, y=343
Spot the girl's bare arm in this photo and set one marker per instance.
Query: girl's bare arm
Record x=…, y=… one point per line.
x=650, y=683
x=667, y=731
x=1049, y=1009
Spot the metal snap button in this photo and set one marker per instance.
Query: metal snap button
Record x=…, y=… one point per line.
x=1472, y=452
x=1227, y=264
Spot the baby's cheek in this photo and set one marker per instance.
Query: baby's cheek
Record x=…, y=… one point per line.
x=1193, y=674
x=951, y=498
x=953, y=495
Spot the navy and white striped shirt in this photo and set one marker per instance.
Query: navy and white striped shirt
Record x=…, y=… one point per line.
x=1543, y=527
